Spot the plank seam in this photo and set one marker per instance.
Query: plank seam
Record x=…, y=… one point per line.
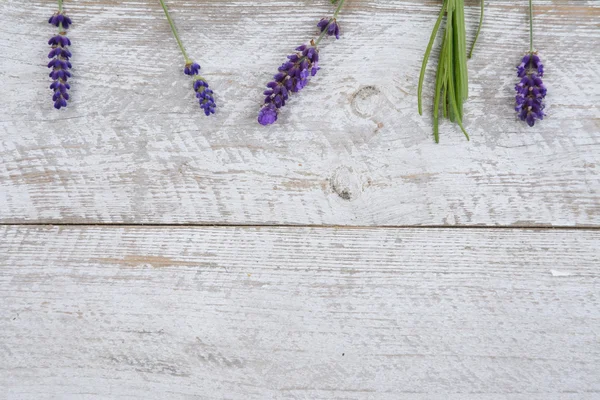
x=356, y=227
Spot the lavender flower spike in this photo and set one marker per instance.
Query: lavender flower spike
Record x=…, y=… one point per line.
x=60, y=56
x=293, y=74
x=205, y=96
x=191, y=68
x=291, y=78
x=530, y=90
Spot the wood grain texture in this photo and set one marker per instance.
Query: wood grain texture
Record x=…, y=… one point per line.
x=133, y=146
x=299, y=313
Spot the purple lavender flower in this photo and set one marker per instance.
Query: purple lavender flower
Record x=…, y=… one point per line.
x=292, y=77
x=59, y=63
x=531, y=61
x=530, y=90
x=267, y=115
x=331, y=25
x=59, y=19
x=203, y=93
x=294, y=74
x=205, y=96
x=191, y=68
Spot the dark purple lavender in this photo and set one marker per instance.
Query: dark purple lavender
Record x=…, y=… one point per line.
x=59, y=62
x=268, y=114
x=191, y=68
x=203, y=93
x=60, y=18
x=205, y=96
x=531, y=61
x=530, y=90
x=292, y=77
x=331, y=26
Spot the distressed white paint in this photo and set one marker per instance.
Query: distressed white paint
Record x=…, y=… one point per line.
x=134, y=147
x=297, y=313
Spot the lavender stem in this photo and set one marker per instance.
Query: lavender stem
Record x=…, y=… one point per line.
x=530, y=26
x=187, y=59
x=339, y=7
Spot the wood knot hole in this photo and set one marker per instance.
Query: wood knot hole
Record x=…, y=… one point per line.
x=367, y=101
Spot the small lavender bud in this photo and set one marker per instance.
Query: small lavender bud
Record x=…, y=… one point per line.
x=60, y=18
x=530, y=90
x=191, y=68
x=331, y=25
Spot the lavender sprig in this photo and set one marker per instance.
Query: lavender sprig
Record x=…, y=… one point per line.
x=192, y=68
x=294, y=74
x=60, y=56
x=530, y=90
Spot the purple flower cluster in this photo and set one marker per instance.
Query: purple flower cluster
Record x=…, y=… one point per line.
x=60, y=20
x=191, y=68
x=292, y=77
x=59, y=62
x=203, y=93
x=205, y=96
x=331, y=25
x=530, y=90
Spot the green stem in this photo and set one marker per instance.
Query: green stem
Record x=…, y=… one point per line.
x=187, y=59
x=60, y=10
x=530, y=26
x=459, y=32
x=335, y=14
x=338, y=9
x=426, y=57
x=440, y=79
x=321, y=36
x=478, y=29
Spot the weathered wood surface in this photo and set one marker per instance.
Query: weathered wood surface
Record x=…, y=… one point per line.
x=133, y=146
x=299, y=313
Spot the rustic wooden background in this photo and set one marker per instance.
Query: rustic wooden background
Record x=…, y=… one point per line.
x=149, y=252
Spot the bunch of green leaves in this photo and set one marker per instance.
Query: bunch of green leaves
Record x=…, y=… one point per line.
x=452, y=81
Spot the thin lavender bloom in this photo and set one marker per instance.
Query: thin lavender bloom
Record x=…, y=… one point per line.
x=530, y=90
x=60, y=63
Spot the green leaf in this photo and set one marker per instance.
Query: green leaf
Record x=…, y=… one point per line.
x=452, y=81
x=478, y=28
x=426, y=58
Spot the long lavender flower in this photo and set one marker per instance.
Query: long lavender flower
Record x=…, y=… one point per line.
x=294, y=74
x=60, y=56
x=203, y=93
x=530, y=90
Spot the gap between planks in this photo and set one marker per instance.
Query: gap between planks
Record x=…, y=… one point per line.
x=291, y=226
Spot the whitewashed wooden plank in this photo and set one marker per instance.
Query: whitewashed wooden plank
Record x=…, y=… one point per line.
x=133, y=146
x=298, y=313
